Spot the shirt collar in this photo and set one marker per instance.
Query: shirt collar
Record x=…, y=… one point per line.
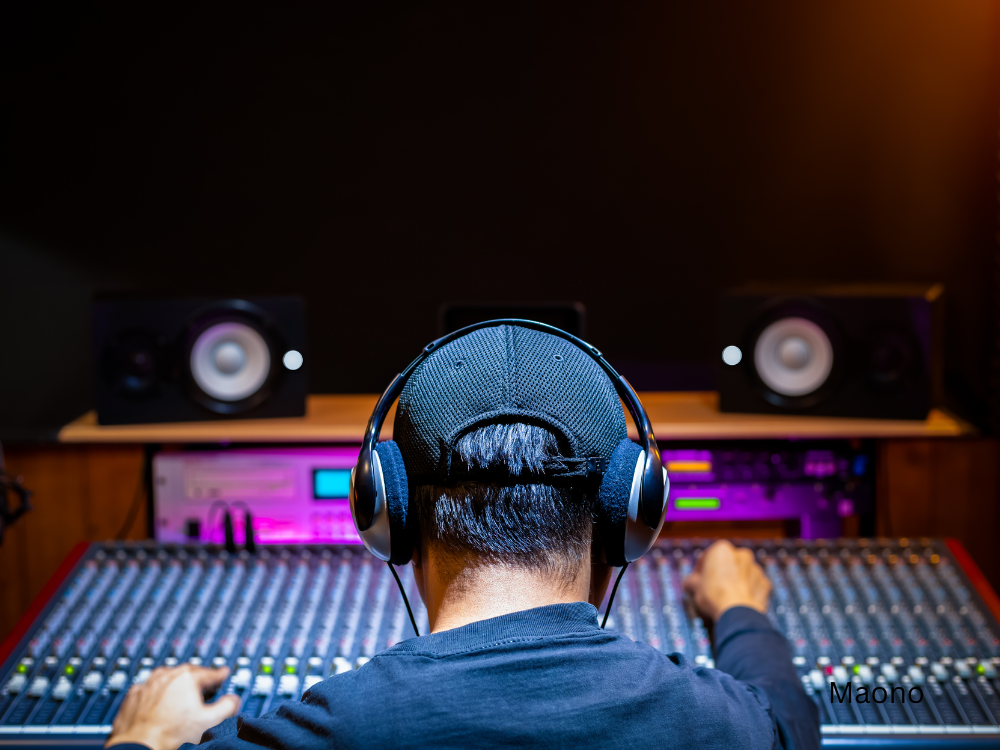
x=577, y=618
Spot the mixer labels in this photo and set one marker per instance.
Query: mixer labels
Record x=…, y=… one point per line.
x=888, y=636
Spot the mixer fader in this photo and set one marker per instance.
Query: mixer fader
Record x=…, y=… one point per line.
x=890, y=638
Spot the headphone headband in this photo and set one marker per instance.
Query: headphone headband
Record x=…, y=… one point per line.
x=651, y=496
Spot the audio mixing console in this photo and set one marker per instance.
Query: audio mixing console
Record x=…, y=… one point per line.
x=899, y=615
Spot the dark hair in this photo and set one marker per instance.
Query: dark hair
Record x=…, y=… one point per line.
x=536, y=526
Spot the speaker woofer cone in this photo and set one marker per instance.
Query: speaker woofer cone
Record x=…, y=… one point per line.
x=793, y=357
x=230, y=358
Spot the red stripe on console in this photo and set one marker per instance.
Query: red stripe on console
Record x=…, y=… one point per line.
x=39, y=602
x=975, y=575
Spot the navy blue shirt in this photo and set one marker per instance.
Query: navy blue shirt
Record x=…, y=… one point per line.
x=549, y=677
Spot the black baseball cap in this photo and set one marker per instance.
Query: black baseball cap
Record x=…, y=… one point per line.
x=501, y=375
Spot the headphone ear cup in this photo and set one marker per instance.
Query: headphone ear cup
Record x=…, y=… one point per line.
x=613, y=499
x=397, y=497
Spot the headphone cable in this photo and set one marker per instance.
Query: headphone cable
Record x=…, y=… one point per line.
x=406, y=601
x=613, y=592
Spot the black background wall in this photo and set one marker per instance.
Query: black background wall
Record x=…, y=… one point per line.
x=381, y=159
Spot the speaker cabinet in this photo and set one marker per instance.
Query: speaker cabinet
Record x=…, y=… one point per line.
x=178, y=360
x=853, y=351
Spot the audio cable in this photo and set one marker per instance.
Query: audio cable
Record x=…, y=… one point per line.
x=406, y=601
x=613, y=592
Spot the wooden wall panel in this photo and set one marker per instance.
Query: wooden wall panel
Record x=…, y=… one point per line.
x=943, y=488
x=81, y=493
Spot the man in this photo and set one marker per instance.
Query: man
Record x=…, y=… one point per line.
x=511, y=572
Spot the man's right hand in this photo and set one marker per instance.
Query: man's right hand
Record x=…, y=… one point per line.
x=168, y=709
x=726, y=577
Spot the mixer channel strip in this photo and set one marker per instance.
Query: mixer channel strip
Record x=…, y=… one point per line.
x=888, y=636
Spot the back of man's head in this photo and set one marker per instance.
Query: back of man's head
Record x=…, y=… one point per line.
x=481, y=423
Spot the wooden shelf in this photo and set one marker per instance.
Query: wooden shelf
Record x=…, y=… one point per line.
x=676, y=416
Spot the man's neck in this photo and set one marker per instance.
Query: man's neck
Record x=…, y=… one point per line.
x=467, y=594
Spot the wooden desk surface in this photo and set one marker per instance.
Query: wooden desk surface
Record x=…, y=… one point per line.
x=676, y=416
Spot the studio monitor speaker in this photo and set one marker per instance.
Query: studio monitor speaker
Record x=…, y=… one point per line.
x=173, y=360
x=852, y=351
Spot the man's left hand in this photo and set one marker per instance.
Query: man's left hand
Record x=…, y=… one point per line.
x=169, y=710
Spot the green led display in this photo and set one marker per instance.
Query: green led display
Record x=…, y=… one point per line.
x=696, y=503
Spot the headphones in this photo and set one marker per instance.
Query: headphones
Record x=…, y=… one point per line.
x=631, y=503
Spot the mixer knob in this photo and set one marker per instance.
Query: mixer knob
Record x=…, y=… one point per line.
x=799, y=661
x=38, y=686
x=117, y=681
x=817, y=679
x=195, y=660
x=310, y=680
x=170, y=661
x=898, y=661
x=840, y=675
x=823, y=661
x=341, y=665
x=939, y=671
x=16, y=683
x=916, y=674
x=219, y=661
x=872, y=661
x=962, y=667
x=890, y=673
x=866, y=674
x=987, y=668
x=241, y=680
x=62, y=688
x=361, y=661
x=92, y=681
x=141, y=676
x=288, y=685
x=263, y=684
x=922, y=661
x=847, y=661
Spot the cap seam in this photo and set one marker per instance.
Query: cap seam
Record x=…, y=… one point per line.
x=489, y=417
